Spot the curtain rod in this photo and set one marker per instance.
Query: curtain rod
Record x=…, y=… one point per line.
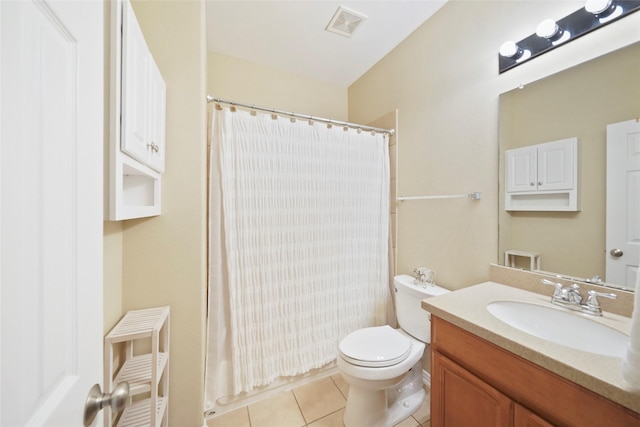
x=302, y=116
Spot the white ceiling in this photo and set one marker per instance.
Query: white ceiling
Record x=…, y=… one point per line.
x=290, y=35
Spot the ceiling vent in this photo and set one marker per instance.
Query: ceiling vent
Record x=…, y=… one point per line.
x=345, y=21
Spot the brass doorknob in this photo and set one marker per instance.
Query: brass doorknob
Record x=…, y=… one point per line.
x=96, y=400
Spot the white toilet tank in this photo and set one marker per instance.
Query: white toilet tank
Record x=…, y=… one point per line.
x=411, y=317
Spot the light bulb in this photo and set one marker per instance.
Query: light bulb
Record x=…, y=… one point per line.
x=604, y=10
x=550, y=30
x=597, y=6
x=547, y=28
x=509, y=49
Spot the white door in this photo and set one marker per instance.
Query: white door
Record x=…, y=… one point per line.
x=51, y=143
x=623, y=203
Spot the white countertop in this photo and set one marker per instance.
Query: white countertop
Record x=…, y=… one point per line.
x=466, y=308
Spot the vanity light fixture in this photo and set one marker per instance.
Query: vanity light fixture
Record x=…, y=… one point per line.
x=552, y=33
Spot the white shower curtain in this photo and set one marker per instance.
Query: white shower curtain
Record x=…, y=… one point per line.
x=299, y=229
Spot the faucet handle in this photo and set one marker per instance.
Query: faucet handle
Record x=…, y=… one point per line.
x=558, y=291
x=593, y=305
x=593, y=295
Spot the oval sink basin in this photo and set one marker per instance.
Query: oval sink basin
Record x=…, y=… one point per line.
x=561, y=327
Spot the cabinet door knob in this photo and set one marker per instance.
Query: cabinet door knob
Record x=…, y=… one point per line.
x=532, y=183
x=539, y=182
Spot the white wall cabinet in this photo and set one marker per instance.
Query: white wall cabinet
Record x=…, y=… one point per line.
x=147, y=373
x=138, y=117
x=542, y=177
x=143, y=97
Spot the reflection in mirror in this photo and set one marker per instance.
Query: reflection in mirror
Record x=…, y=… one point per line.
x=579, y=102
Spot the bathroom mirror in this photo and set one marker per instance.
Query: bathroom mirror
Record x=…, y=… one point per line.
x=578, y=102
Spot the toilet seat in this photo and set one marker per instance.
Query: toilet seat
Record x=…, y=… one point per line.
x=375, y=347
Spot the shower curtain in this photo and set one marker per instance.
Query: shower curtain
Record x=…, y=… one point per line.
x=299, y=256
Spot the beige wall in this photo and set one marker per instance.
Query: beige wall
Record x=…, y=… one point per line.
x=241, y=81
x=112, y=276
x=446, y=144
x=444, y=81
x=580, y=103
x=163, y=258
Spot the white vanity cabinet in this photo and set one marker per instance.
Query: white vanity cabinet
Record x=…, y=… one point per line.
x=138, y=117
x=542, y=177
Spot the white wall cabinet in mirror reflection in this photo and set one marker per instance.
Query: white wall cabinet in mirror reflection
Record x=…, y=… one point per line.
x=623, y=202
x=543, y=177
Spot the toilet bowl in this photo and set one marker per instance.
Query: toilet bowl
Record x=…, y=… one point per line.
x=382, y=365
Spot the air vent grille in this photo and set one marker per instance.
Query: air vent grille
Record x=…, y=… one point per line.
x=345, y=21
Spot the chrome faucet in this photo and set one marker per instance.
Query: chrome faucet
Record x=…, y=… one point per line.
x=571, y=298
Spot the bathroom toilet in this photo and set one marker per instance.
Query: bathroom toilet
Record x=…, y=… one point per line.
x=382, y=365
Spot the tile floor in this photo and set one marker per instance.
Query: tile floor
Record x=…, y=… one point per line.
x=318, y=404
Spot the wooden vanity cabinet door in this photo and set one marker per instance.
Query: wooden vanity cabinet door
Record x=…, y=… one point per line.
x=462, y=399
x=522, y=417
x=548, y=395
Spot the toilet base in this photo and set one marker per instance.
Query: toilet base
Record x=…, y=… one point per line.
x=386, y=407
x=402, y=409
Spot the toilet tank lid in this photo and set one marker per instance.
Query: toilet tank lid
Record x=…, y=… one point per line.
x=408, y=283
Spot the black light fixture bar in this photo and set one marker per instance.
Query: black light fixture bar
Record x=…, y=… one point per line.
x=576, y=24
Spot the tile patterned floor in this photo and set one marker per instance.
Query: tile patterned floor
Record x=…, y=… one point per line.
x=318, y=404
